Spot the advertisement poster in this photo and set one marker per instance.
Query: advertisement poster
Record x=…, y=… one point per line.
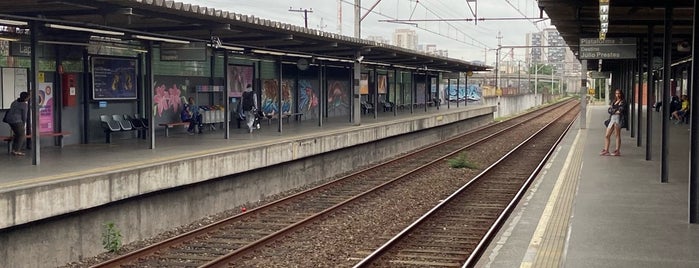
x=382, y=83
x=364, y=84
x=239, y=76
x=45, y=107
x=113, y=78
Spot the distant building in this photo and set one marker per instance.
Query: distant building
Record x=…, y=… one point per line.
x=556, y=52
x=379, y=39
x=405, y=38
x=431, y=49
x=534, y=53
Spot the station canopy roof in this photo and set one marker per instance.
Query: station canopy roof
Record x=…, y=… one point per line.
x=575, y=19
x=194, y=23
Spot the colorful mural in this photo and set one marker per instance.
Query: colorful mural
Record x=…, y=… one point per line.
x=338, y=98
x=308, y=99
x=472, y=93
x=167, y=99
x=270, y=96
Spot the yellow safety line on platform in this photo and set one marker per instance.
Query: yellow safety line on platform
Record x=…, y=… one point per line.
x=547, y=245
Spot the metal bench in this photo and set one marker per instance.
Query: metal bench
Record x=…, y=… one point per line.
x=171, y=125
x=60, y=135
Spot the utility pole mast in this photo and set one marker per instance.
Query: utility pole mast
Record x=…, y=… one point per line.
x=497, y=60
x=339, y=17
x=305, y=14
x=322, y=25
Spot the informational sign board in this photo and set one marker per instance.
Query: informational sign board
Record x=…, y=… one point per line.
x=607, y=49
x=183, y=52
x=14, y=81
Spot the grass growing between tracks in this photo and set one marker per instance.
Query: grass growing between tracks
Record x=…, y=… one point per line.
x=461, y=161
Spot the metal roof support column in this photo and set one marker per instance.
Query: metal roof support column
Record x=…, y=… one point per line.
x=413, y=91
x=446, y=93
x=85, y=134
x=375, y=98
x=466, y=89
x=357, y=72
x=280, y=93
x=323, y=83
x=667, y=65
x=437, y=95
x=649, y=93
x=583, y=93
x=694, y=127
x=630, y=70
x=395, y=92
x=427, y=88
x=226, y=98
x=148, y=92
x=639, y=107
x=458, y=79
x=34, y=101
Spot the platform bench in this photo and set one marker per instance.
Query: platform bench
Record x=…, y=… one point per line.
x=60, y=135
x=171, y=125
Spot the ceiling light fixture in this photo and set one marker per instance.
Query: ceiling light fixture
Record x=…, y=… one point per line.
x=83, y=29
x=260, y=51
x=13, y=22
x=162, y=39
x=9, y=38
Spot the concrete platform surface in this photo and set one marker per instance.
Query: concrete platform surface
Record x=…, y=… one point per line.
x=587, y=210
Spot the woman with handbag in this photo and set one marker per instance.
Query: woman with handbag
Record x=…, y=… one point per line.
x=617, y=120
x=16, y=117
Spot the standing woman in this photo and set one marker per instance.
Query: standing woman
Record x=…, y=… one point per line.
x=17, y=118
x=617, y=120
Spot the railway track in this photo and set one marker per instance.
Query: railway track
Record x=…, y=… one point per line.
x=230, y=239
x=455, y=232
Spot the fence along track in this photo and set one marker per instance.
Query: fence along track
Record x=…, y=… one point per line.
x=455, y=232
x=244, y=231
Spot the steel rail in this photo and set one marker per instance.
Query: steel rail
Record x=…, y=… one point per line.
x=499, y=221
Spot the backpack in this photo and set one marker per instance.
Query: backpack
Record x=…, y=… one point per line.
x=248, y=102
x=186, y=114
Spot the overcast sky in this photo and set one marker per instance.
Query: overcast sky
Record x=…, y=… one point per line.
x=464, y=40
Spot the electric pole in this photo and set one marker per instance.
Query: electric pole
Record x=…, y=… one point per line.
x=305, y=14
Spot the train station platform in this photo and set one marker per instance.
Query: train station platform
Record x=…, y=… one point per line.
x=587, y=210
x=84, y=176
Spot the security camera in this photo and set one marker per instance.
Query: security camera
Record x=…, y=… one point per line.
x=360, y=59
x=216, y=41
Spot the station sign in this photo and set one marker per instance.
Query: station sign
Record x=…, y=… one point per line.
x=195, y=51
x=607, y=49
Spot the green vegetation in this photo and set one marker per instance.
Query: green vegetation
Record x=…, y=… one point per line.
x=461, y=161
x=111, y=237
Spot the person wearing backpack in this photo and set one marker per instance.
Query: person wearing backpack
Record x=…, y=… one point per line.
x=249, y=105
x=190, y=113
x=16, y=117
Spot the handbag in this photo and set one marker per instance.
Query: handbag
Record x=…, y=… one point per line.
x=606, y=123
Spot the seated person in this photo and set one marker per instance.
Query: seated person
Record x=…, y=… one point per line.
x=190, y=113
x=679, y=114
